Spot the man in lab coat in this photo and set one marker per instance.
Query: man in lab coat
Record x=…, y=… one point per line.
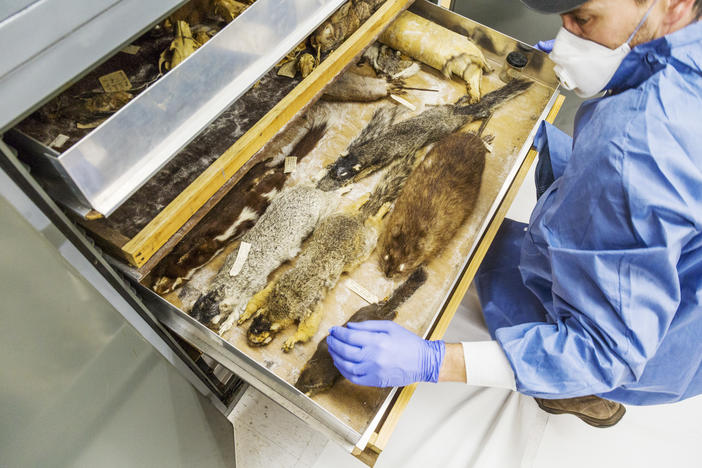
x=598, y=301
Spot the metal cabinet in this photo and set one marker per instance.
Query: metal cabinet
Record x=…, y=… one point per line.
x=236, y=61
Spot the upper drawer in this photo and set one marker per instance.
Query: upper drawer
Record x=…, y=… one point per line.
x=55, y=41
x=108, y=165
x=162, y=129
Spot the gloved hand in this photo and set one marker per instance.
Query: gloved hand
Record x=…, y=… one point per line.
x=546, y=46
x=380, y=353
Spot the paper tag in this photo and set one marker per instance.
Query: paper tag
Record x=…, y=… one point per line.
x=59, y=141
x=115, y=81
x=404, y=102
x=241, y=257
x=290, y=164
x=366, y=295
x=131, y=49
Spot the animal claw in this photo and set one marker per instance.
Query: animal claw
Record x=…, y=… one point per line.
x=288, y=345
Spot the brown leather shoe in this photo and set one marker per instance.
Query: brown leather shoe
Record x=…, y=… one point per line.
x=594, y=410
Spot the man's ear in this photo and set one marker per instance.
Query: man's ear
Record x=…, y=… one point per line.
x=678, y=14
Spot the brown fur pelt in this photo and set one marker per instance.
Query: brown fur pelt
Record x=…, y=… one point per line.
x=352, y=87
x=436, y=200
x=319, y=373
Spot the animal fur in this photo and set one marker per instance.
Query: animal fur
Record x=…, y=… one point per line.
x=438, y=47
x=320, y=374
x=343, y=23
x=382, y=142
x=339, y=244
x=274, y=239
x=352, y=87
x=240, y=208
x=437, y=198
x=389, y=62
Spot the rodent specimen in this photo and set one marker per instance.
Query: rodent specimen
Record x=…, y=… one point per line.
x=389, y=62
x=352, y=87
x=274, y=239
x=240, y=208
x=438, y=47
x=319, y=373
x=381, y=142
x=339, y=244
x=435, y=201
x=344, y=22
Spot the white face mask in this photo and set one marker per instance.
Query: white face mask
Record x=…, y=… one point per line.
x=586, y=67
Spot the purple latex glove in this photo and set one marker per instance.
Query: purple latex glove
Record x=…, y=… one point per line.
x=380, y=353
x=545, y=46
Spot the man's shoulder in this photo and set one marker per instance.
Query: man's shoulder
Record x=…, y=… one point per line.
x=658, y=119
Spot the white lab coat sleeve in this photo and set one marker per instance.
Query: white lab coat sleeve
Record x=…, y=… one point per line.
x=487, y=365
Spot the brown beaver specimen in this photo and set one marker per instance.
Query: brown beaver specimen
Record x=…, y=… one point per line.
x=435, y=201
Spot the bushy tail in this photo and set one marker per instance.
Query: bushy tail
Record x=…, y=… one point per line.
x=406, y=289
x=390, y=186
x=495, y=99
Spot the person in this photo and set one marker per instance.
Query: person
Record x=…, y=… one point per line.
x=598, y=301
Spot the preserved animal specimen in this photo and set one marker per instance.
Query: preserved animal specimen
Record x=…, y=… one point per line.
x=319, y=373
x=343, y=23
x=276, y=238
x=339, y=244
x=438, y=47
x=381, y=142
x=437, y=198
x=240, y=208
x=353, y=87
x=389, y=62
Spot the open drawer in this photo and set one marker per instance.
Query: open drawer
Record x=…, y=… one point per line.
x=362, y=419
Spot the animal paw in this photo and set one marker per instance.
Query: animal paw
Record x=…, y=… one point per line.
x=289, y=344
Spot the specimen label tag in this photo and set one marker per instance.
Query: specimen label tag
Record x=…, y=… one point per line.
x=115, y=81
x=59, y=141
x=366, y=295
x=241, y=257
x=131, y=49
x=290, y=164
x=404, y=102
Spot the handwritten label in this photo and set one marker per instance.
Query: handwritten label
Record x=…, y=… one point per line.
x=366, y=295
x=59, y=141
x=404, y=102
x=131, y=49
x=290, y=164
x=115, y=81
x=241, y=256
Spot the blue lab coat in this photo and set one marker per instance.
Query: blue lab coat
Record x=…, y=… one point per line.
x=602, y=292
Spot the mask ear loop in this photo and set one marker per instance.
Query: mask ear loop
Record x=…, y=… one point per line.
x=641, y=23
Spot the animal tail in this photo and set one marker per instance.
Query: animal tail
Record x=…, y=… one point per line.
x=390, y=186
x=308, y=142
x=495, y=99
x=406, y=289
x=381, y=120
